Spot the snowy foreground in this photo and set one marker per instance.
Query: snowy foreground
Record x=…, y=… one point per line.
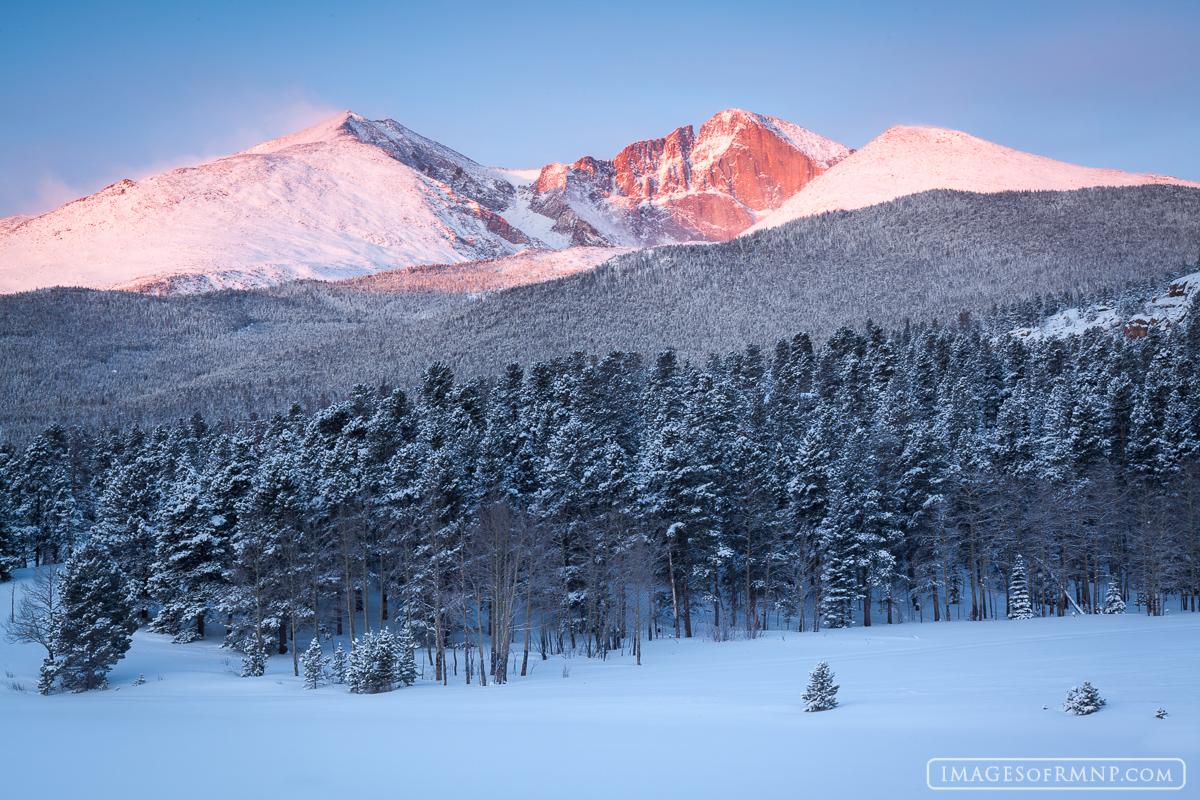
x=698, y=719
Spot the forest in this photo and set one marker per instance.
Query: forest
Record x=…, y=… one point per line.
x=104, y=359
x=588, y=503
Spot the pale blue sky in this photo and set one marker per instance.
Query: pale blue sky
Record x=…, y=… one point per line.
x=92, y=92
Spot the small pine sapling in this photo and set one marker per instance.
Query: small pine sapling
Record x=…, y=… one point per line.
x=140, y=680
x=1083, y=700
x=1161, y=713
x=314, y=662
x=1021, y=607
x=821, y=692
x=406, y=661
x=339, y=664
x=254, y=665
x=47, y=676
x=1113, y=602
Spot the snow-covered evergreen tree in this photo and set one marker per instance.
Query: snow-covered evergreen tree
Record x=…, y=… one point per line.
x=339, y=665
x=254, y=664
x=96, y=622
x=372, y=664
x=1083, y=700
x=315, y=663
x=821, y=693
x=47, y=676
x=189, y=566
x=1020, y=606
x=1113, y=602
x=10, y=550
x=406, y=662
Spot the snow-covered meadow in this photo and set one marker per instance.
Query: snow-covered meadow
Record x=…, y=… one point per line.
x=698, y=719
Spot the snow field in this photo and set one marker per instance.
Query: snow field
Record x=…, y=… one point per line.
x=699, y=719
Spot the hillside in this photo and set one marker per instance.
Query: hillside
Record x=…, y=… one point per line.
x=102, y=357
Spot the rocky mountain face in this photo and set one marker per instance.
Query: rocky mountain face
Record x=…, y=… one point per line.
x=687, y=186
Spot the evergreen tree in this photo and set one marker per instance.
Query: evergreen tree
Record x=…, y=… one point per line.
x=1083, y=700
x=254, y=664
x=126, y=512
x=1020, y=606
x=96, y=623
x=315, y=663
x=821, y=692
x=1113, y=602
x=406, y=662
x=190, y=555
x=47, y=676
x=10, y=550
x=371, y=666
x=339, y=664
x=50, y=517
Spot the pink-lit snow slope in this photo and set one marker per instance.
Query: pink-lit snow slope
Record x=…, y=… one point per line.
x=528, y=266
x=908, y=160
x=321, y=203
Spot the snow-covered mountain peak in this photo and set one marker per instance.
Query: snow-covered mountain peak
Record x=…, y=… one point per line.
x=906, y=160
x=340, y=126
x=729, y=128
x=686, y=186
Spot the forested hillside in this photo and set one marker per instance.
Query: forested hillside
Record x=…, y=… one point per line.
x=586, y=503
x=109, y=358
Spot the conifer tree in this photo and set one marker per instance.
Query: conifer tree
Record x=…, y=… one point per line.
x=406, y=662
x=315, y=664
x=1083, y=700
x=10, y=551
x=339, y=664
x=821, y=693
x=1113, y=602
x=47, y=676
x=189, y=567
x=371, y=666
x=96, y=623
x=1020, y=606
x=254, y=664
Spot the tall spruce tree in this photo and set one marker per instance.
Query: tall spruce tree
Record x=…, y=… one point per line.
x=96, y=620
x=1020, y=606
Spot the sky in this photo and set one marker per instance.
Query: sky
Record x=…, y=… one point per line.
x=93, y=92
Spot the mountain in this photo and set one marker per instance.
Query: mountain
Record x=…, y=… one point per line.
x=908, y=160
x=686, y=186
x=329, y=202
x=351, y=197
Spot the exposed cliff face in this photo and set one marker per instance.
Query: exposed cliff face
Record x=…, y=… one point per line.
x=685, y=186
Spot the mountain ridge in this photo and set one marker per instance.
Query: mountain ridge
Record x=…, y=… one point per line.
x=906, y=160
x=351, y=197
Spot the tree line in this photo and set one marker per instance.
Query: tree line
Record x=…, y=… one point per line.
x=99, y=359
x=586, y=504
